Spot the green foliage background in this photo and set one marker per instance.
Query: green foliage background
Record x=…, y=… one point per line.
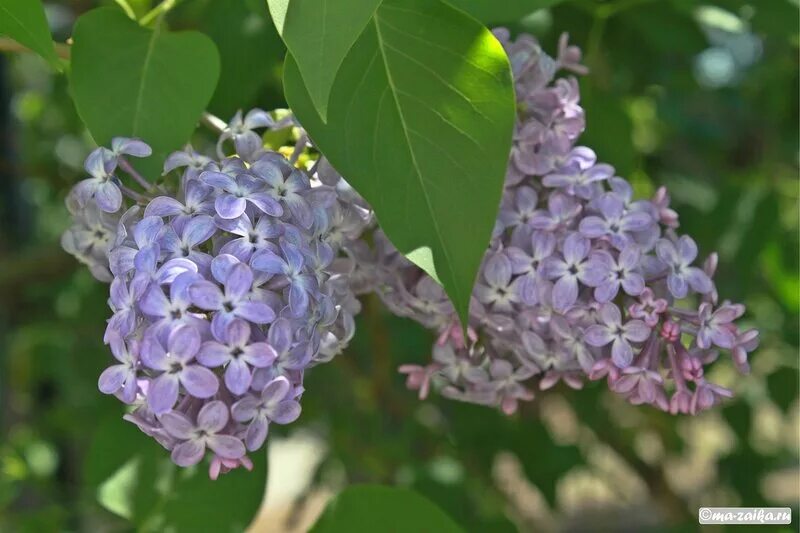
x=727, y=152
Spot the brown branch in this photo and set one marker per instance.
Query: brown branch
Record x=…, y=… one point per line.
x=10, y=45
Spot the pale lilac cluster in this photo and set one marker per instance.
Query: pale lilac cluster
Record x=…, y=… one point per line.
x=580, y=280
x=223, y=289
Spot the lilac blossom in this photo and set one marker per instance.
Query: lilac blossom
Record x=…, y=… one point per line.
x=289, y=189
x=177, y=369
x=234, y=300
x=240, y=130
x=275, y=404
x=234, y=351
x=611, y=330
x=238, y=192
x=196, y=202
x=290, y=269
x=571, y=266
x=621, y=271
x=102, y=186
x=613, y=222
x=263, y=261
x=193, y=438
x=189, y=314
x=121, y=378
x=678, y=258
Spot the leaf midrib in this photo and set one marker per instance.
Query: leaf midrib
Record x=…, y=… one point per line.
x=394, y=91
x=33, y=36
x=145, y=67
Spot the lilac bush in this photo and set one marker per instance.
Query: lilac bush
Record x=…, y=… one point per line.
x=222, y=288
x=580, y=281
x=226, y=287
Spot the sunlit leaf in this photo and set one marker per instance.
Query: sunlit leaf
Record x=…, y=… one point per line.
x=420, y=122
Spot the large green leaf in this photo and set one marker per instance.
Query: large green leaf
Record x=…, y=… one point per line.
x=250, y=52
x=378, y=508
x=132, y=476
x=501, y=12
x=420, y=122
x=24, y=21
x=131, y=81
x=319, y=33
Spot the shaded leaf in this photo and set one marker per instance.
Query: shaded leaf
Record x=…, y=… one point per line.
x=132, y=476
x=318, y=34
x=250, y=52
x=24, y=21
x=420, y=123
x=494, y=12
x=378, y=508
x=783, y=387
x=134, y=82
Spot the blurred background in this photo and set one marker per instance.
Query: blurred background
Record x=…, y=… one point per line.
x=699, y=96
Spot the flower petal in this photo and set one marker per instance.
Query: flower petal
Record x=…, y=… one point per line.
x=226, y=446
x=199, y=381
x=163, y=393
x=213, y=417
x=188, y=453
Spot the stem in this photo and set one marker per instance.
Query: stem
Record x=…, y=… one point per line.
x=126, y=7
x=10, y=45
x=214, y=123
x=133, y=195
x=161, y=9
x=128, y=168
x=299, y=146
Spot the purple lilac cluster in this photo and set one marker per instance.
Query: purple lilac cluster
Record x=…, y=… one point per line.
x=222, y=289
x=580, y=281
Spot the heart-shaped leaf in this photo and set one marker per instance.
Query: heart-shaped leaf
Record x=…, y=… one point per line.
x=24, y=21
x=420, y=121
x=319, y=33
x=494, y=12
x=131, y=81
x=378, y=508
x=132, y=476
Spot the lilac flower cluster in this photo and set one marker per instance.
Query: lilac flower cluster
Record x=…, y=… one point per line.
x=580, y=281
x=223, y=291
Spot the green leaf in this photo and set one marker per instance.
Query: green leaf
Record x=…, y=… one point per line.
x=319, y=33
x=250, y=52
x=494, y=12
x=24, y=21
x=420, y=122
x=134, y=82
x=132, y=476
x=378, y=508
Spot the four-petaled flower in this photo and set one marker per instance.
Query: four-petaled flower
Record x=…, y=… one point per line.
x=234, y=350
x=612, y=331
x=102, y=185
x=497, y=290
x=207, y=432
x=649, y=308
x=716, y=327
x=289, y=269
x=571, y=267
x=614, y=222
x=276, y=403
x=176, y=366
x=232, y=301
x=238, y=192
x=678, y=258
x=622, y=271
